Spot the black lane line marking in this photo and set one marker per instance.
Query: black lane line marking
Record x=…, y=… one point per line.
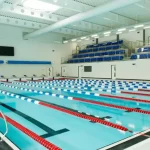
x=50, y=131
x=4, y=146
x=129, y=143
x=50, y=103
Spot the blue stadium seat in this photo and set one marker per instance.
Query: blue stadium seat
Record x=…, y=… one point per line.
x=108, y=43
x=93, y=59
x=101, y=48
x=148, y=55
x=86, y=55
x=120, y=42
x=108, y=47
x=76, y=60
x=87, y=60
x=95, y=49
x=115, y=57
x=71, y=61
x=81, y=60
x=121, y=57
x=90, y=50
x=116, y=47
x=100, y=59
x=112, y=53
x=143, y=56
x=133, y=56
x=107, y=58
x=91, y=55
x=115, y=43
x=98, y=54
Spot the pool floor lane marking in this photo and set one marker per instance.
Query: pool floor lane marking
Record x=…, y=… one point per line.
x=50, y=131
x=127, y=109
x=31, y=134
x=64, y=110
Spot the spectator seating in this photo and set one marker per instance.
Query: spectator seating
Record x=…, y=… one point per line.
x=142, y=53
x=108, y=51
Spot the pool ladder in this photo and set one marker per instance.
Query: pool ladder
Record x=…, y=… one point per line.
x=6, y=126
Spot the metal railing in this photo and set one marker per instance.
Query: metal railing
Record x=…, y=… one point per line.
x=6, y=126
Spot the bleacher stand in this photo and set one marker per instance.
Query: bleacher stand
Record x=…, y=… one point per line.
x=108, y=51
x=142, y=53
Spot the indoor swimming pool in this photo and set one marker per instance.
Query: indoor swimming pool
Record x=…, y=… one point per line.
x=74, y=114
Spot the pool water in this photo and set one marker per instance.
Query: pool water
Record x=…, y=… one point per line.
x=66, y=131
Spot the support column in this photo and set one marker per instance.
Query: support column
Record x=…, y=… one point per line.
x=96, y=40
x=144, y=42
x=118, y=37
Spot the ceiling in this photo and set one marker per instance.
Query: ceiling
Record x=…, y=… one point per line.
x=12, y=12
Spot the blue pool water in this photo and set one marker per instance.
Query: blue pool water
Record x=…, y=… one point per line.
x=80, y=134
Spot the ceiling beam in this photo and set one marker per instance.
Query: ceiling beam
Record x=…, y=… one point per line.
x=82, y=16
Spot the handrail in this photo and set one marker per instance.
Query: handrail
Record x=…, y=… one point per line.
x=6, y=126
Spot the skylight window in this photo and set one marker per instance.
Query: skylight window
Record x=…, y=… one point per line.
x=40, y=5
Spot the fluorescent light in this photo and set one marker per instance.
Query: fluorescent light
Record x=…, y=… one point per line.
x=107, y=32
x=123, y=29
x=118, y=32
x=40, y=5
x=139, y=26
x=65, y=42
x=94, y=35
x=74, y=40
x=132, y=30
x=83, y=37
x=147, y=27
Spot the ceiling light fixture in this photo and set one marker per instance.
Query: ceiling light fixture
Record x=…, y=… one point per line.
x=74, y=40
x=40, y=5
x=65, y=42
x=94, y=35
x=139, y=26
x=107, y=32
x=107, y=35
x=123, y=29
x=82, y=38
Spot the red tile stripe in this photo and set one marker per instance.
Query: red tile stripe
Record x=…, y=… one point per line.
x=126, y=98
x=113, y=106
x=85, y=117
x=33, y=135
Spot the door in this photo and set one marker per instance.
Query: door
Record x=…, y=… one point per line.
x=64, y=71
x=113, y=72
x=80, y=71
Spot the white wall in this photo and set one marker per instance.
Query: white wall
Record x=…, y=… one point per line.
x=34, y=49
x=132, y=69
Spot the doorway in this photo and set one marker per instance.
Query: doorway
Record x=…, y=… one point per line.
x=113, y=72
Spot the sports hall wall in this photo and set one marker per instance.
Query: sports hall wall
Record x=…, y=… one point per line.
x=40, y=49
x=129, y=69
